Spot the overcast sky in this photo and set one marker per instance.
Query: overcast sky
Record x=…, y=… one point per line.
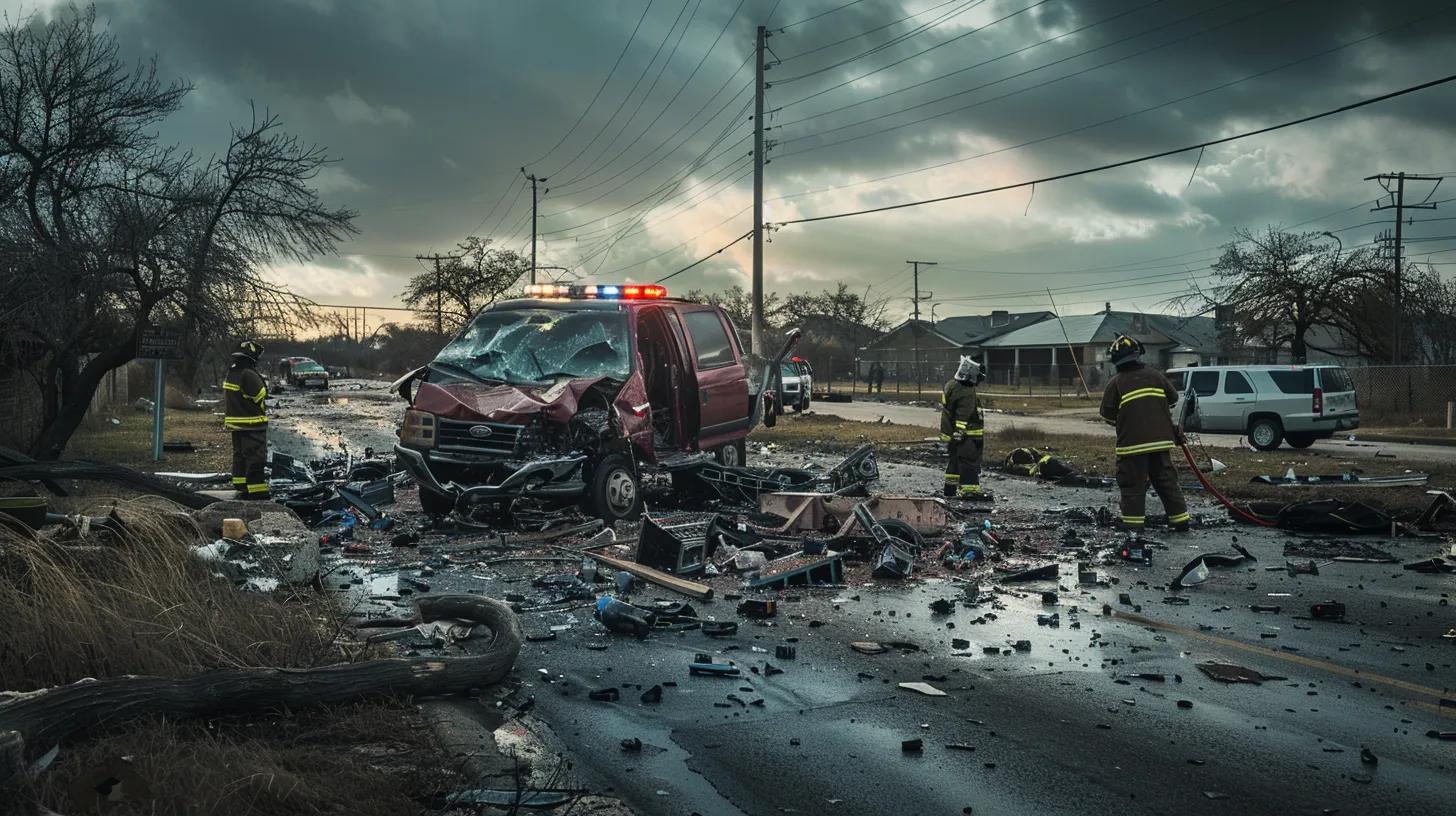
x=432, y=108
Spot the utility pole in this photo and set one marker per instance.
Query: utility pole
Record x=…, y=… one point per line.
x=439, y=289
x=915, y=308
x=756, y=339
x=534, y=198
x=1397, y=203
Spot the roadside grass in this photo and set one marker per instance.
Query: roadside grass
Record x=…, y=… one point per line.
x=373, y=759
x=1093, y=455
x=142, y=603
x=130, y=443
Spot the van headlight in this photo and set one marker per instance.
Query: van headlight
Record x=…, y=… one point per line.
x=418, y=430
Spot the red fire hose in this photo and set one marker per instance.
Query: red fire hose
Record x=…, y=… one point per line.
x=1188, y=454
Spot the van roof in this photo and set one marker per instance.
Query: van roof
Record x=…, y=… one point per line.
x=580, y=305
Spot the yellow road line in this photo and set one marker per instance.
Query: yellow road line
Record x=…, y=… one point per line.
x=1297, y=659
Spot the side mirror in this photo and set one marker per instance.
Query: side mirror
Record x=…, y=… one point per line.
x=404, y=386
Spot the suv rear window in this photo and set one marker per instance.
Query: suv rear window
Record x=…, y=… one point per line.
x=1297, y=381
x=709, y=339
x=1336, y=379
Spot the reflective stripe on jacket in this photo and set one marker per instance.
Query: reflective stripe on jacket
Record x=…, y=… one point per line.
x=1137, y=401
x=960, y=410
x=243, y=393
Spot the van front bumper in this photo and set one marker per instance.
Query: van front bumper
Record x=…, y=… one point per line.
x=559, y=479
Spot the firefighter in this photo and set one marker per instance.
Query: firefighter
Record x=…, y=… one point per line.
x=1137, y=400
x=246, y=417
x=962, y=429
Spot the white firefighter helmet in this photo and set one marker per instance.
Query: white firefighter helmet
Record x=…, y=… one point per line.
x=969, y=371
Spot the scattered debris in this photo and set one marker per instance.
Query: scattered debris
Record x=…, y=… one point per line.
x=923, y=688
x=1231, y=673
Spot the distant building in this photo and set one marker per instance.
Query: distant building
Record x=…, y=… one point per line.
x=939, y=346
x=1052, y=350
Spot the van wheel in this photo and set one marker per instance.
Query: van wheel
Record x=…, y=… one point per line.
x=733, y=454
x=1266, y=433
x=614, y=492
x=1300, y=440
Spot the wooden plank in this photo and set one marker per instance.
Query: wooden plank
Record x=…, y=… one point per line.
x=701, y=592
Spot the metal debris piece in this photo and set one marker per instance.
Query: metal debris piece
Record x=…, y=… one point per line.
x=923, y=688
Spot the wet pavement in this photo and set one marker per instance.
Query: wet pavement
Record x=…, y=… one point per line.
x=1064, y=727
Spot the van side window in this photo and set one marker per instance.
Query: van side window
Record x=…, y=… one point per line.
x=1336, y=380
x=1204, y=383
x=1297, y=381
x=1236, y=383
x=1178, y=379
x=710, y=341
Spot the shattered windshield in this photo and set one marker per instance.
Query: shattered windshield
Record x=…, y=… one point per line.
x=537, y=346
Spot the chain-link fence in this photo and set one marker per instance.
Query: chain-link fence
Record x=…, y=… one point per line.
x=907, y=379
x=1405, y=395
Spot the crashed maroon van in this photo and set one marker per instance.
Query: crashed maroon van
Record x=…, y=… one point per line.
x=567, y=393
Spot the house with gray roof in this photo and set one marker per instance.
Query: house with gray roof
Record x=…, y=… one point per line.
x=1052, y=350
x=939, y=345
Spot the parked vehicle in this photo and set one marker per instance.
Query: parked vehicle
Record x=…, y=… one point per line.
x=568, y=393
x=306, y=373
x=1273, y=404
x=794, y=387
x=804, y=373
x=285, y=366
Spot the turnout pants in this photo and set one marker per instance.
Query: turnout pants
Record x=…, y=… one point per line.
x=963, y=468
x=250, y=455
x=1133, y=475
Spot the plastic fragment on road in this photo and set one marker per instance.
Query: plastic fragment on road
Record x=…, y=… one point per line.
x=923, y=688
x=868, y=647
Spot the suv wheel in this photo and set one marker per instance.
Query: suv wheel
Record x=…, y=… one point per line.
x=733, y=454
x=614, y=492
x=1300, y=440
x=1265, y=433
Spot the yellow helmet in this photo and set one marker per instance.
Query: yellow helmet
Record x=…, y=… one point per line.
x=249, y=349
x=1124, y=350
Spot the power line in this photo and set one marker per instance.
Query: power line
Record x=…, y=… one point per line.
x=623, y=103
x=890, y=43
x=745, y=236
x=795, y=23
x=971, y=67
x=597, y=164
x=1017, y=92
x=1138, y=160
x=866, y=33
x=600, y=88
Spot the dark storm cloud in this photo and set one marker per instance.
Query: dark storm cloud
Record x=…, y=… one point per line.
x=432, y=108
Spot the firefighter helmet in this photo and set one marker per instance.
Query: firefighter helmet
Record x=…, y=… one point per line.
x=249, y=349
x=1124, y=350
x=969, y=371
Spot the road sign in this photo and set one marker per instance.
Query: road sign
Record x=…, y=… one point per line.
x=157, y=343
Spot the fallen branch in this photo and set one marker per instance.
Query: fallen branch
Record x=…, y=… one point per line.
x=692, y=590
x=50, y=716
x=48, y=473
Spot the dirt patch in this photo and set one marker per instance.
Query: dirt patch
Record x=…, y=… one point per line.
x=128, y=440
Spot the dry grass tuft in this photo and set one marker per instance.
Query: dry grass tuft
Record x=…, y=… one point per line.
x=142, y=604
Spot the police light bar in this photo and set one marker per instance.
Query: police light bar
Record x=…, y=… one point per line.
x=624, y=291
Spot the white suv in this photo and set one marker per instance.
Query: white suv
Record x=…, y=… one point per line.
x=1272, y=404
x=798, y=383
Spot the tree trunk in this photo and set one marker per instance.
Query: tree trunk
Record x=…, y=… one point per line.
x=77, y=389
x=51, y=716
x=1297, y=348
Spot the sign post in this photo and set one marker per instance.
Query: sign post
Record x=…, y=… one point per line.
x=160, y=345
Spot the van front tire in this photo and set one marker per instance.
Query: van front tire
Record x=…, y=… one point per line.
x=614, y=491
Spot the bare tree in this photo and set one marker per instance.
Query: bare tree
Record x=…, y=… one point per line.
x=105, y=232
x=474, y=278
x=1281, y=286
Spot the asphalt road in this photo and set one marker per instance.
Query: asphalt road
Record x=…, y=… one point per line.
x=926, y=417
x=1063, y=728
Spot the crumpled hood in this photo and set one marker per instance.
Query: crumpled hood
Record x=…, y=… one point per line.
x=514, y=404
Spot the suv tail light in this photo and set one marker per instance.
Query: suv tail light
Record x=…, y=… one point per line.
x=418, y=430
x=1319, y=402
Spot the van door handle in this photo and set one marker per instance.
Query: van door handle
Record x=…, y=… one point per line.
x=703, y=393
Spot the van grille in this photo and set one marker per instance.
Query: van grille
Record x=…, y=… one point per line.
x=454, y=435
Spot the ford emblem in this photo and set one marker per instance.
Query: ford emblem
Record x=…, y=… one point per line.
x=480, y=431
